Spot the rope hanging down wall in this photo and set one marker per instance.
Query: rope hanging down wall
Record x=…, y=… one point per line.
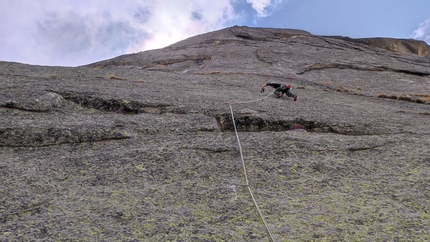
x=246, y=176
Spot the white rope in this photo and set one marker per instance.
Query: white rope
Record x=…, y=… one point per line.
x=246, y=176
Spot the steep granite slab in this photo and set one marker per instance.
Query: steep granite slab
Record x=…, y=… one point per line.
x=141, y=148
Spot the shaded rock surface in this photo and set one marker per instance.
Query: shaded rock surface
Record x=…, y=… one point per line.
x=141, y=147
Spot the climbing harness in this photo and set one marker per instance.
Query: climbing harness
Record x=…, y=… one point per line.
x=245, y=173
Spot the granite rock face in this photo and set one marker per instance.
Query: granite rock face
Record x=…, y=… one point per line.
x=142, y=147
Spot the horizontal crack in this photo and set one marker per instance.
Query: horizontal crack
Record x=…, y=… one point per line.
x=118, y=106
x=258, y=124
x=14, y=105
x=248, y=123
x=74, y=142
x=43, y=137
x=362, y=148
x=214, y=150
x=320, y=66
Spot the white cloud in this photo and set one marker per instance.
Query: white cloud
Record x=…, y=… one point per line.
x=422, y=32
x=52, y=32
x=169, y=24
x=262, y=6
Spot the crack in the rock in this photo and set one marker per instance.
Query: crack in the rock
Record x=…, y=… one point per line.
x=248, y=123
x=258, y=124
x=118, y=106
x=355, y=149
x=15, y=105
x=213, y=150
x=44, y=137
x=196, y=58
x=77, y=142
x=320, y=66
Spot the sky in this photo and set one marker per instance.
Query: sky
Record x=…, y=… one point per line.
x=79, y=32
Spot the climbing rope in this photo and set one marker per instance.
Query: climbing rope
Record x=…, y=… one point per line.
x=246, y=176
